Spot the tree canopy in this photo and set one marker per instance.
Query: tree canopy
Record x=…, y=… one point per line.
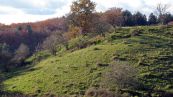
x=81, y=11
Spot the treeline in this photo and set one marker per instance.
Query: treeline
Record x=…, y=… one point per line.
x=18, y=41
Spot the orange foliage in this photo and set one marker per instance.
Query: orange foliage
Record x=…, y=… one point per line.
x=73, y=32
x=114, y=16
x=82, y=10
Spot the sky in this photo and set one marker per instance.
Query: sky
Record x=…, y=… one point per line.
x=19, y=11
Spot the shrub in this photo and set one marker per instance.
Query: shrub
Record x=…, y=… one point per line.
x=37, y=57
x=121, y=76
x=135, y=32
x=78, y=43
x=96, y=40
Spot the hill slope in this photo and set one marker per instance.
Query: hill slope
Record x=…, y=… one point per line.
x=71, y=73
x=147, y=48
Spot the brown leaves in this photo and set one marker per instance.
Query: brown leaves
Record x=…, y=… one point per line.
x=114, y=16
x=82, y=11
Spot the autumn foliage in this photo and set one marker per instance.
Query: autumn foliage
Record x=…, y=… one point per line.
x=114, y=16
x=81, y=11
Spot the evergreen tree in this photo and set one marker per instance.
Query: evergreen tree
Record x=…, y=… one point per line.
x=139, y=19
x=152, y=19
x=127, y=18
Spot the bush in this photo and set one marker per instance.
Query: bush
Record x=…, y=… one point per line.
x=78, y=43
x=37, y=57
x=135, y=32
x=96, y=40
x=121, y=76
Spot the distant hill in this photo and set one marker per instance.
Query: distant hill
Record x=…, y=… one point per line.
x=15, y=34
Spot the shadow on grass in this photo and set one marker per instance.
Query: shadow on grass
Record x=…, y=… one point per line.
x=20, y=71
x=10, y=74
x=12, y=94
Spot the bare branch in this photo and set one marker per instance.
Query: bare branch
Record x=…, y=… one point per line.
x=162, y=9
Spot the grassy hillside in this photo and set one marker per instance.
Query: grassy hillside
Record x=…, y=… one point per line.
x=69, y=74
x=149, y=49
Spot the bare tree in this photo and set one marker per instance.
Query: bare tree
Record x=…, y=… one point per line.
x=161, y=11
x=21, y=54
x=54, y=42
x=99, y=25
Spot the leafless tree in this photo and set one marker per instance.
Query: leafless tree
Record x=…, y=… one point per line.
x=54, y=42
x=161, y=11
x=21, y=54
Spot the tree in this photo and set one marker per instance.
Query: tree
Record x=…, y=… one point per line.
x=21, y=54
x=18, y=30
x=29, y=29
x=152, y=19
x=99, y=25
x=127, y=18
x=81, y=13
x=54, y=42
x=1, y=85
x=166, y=18
x=139, y=19
x=161, y=10
x=5, y=56
x=114, y=16
x=73, y=32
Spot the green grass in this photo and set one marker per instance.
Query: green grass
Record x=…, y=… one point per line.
x=74, y=72
x=70, y=74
